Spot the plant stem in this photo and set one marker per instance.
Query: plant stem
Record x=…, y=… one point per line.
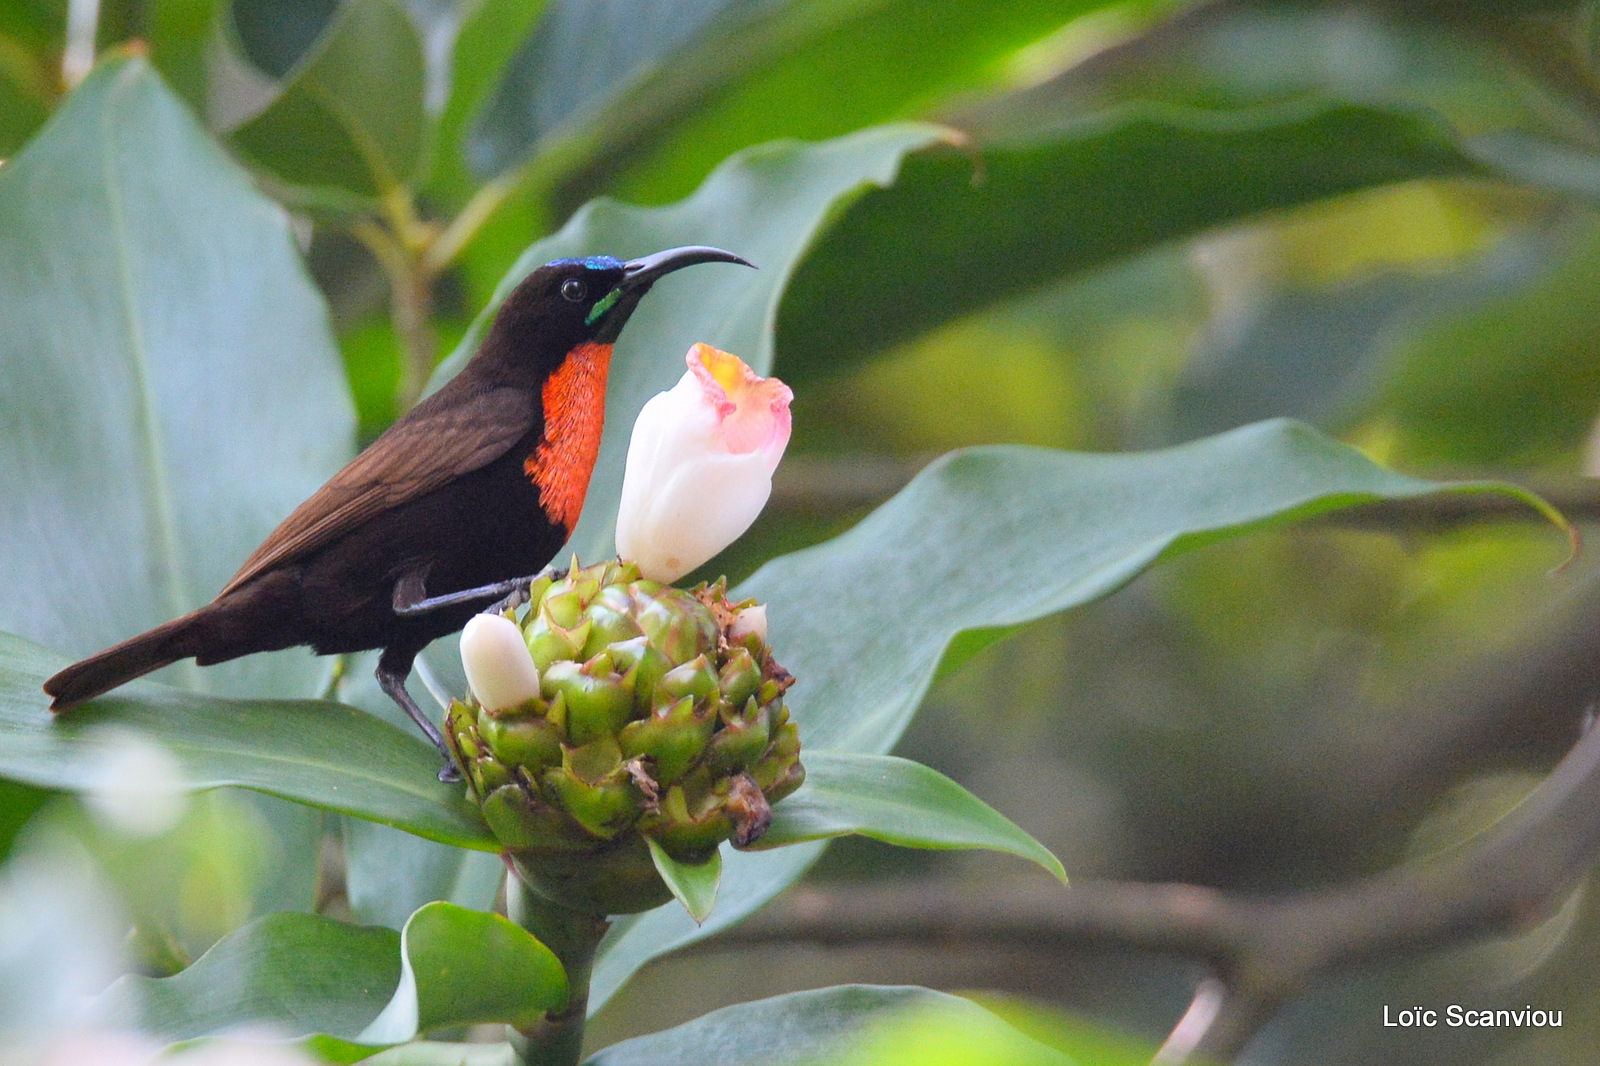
x=557, y=1040
x=411, y=307
x=400, y=243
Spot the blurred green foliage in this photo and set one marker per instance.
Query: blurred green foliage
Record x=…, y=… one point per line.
x=1158, y=220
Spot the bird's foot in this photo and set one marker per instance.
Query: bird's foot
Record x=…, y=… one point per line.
x=409, y=599
x=524, y=586
x=393, y=683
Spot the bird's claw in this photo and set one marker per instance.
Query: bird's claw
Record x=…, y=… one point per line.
x=521, y=594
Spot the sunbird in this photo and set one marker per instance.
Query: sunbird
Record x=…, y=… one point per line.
x=475, y=488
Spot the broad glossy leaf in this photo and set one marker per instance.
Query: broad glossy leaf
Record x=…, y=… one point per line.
x=1084, y=1041
x=897, y=801
x=1000, y=536
x=579, y=57
x=931, y=1035
x=802, y=1027
x=766, y=204
x=297, y=973
x=463, y=967
x=642, y=100
x=314, y=752
x=350, y=121
x=189, y=400
x=1079, y=526
x=349, y=988
x=694, y=886
x=1420, y=57
x=820, y=70
x=957, y=233
x=486, y=37
x=390, y=873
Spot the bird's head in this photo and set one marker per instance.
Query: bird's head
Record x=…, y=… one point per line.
x=558, y=326
x=573, y=302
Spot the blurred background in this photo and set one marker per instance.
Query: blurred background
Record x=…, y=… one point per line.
x=1292, y=710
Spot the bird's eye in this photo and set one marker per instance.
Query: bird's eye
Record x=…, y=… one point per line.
x=574, y=290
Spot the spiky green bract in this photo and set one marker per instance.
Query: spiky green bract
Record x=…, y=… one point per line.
x=654, y=722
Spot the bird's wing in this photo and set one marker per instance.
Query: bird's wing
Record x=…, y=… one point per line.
x=422, y=452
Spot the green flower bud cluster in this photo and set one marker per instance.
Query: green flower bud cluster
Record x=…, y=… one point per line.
x=658, y=716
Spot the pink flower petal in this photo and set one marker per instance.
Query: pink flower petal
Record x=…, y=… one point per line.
x=753, y=411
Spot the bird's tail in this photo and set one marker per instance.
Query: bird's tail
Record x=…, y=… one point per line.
x=128, y=660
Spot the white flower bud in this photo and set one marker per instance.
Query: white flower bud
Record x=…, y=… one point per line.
x=499, y=669
x=748, y=621
x=700, y=464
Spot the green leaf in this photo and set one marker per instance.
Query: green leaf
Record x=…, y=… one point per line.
x=390, y=873
x=350, y=122
x=313, y=752
x=955, y=234
x=799, y=1028
x=192, y=397
x=807, y=73
x=488, y=36
x=273, y=36
x=930, y=1035
x=693, y=885
x=1002, y=536
x=643, y=105
x=580, y=58
x=1448, y=60
x=1074, y=526
x=297, y=973
x=1084, y=1041
x=899, y=802
x=181, y=35
x=350, y=988
x=766, y=204
x=464, y=967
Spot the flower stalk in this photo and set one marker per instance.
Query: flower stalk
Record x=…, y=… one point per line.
x=574, y=936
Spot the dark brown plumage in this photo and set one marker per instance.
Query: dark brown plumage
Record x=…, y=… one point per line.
x=480, y=483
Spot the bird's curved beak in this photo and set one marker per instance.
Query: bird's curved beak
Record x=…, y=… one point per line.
x=639, y=274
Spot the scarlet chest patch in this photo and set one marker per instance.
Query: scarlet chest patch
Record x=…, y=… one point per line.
x=574, y=414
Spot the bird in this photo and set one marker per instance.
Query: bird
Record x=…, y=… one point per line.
x=473, y=489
